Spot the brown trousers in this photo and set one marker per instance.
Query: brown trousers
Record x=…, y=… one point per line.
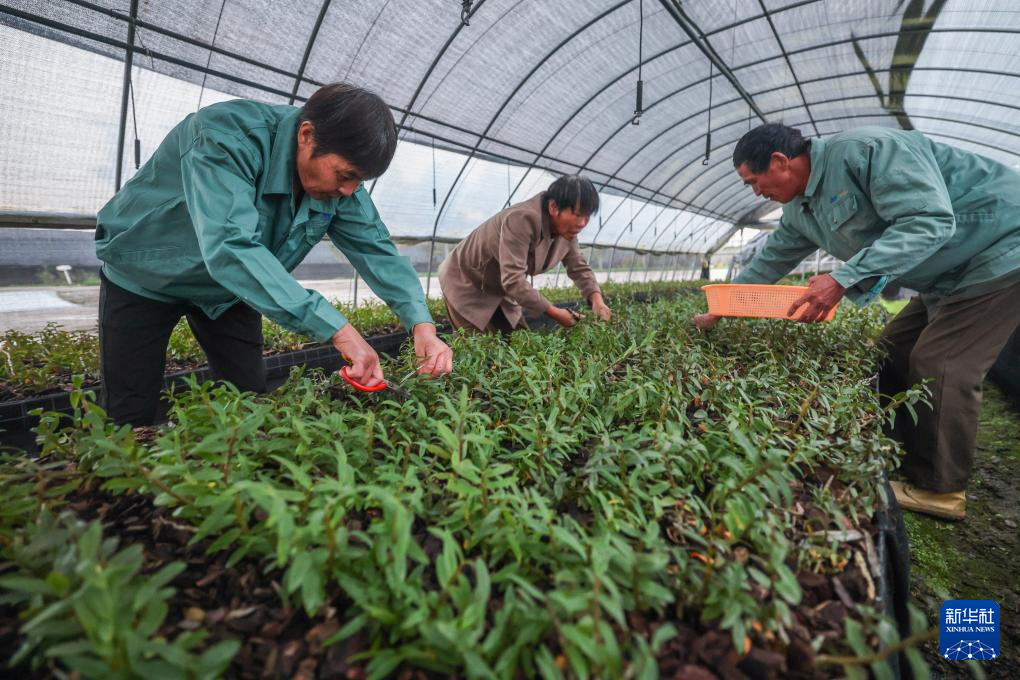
x=497, y=324
x=955, y=350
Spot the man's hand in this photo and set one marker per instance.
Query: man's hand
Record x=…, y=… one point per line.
x=365, y=367
x=823, y=294
x=435, y=356
x=705, y=321
x=599, y=307
x=560, y=316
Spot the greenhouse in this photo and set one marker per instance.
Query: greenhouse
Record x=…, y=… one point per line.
x=509, y=339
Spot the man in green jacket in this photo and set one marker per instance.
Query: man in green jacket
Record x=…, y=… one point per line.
x=212, y=225
x=897, y=206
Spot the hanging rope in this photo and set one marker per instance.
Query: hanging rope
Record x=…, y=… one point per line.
x=708, y=135
x=134, y=122
x=465, y=12
x=433, y=172
x=639, y=108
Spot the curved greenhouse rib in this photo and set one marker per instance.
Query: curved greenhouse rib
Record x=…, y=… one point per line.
x=428, y=73
x=180, y=37
x=672, y=126
x=308, y=49
x=789, y=64
x=630, y=71
x=499, y=112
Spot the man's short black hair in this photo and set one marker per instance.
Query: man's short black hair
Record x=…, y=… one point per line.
x=573, y=191
x=354, y=123
x=757, y=146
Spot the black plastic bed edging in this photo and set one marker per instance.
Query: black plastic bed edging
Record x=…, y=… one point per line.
x=15, y=416
x=892, y=583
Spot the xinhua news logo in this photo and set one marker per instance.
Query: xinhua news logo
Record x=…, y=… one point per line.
x=969, y=630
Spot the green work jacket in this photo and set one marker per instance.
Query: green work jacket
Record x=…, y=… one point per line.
x=897, y=206
x=212, y=218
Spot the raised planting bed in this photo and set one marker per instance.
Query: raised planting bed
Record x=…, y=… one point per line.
x=41, y=367
x=624, y=500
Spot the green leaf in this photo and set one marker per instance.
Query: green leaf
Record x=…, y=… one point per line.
x=215, y=660
x=295, y=575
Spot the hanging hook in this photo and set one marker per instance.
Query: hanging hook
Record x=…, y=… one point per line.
x=465, y=12
x=639, y=108
x=708, y=134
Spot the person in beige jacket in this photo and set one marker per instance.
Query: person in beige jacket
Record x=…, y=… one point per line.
x=485, y=279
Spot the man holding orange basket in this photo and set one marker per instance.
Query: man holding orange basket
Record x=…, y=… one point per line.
x=897, y=206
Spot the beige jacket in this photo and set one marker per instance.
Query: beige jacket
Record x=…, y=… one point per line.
x=490, y=268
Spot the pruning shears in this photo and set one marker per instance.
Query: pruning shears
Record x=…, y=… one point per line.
x=395, y=387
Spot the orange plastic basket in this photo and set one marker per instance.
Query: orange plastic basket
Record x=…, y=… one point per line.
x=755, y=300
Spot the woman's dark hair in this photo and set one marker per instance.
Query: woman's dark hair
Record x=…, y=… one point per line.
x=757, y=146
x=573, y=191
x=354, y=123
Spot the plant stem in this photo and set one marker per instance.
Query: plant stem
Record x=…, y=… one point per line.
x=881, y=655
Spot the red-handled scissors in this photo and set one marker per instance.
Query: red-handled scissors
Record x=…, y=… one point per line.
x=397, y=389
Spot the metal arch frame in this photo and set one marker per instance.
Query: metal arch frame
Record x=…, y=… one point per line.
x=66, y=28
x=129, y=57
x=749, y=200
x=726, y=206
x=877, y=36
x=798, y=84
x=689, y=26
x=813, y=47
x=308, y=49
x=673, y=126
x=364, y=38
x=499, y=112
x=428, y=74
x=671, y=177
x=626, y=73
x=115, y=14
x=789, y=64
x=919, y=117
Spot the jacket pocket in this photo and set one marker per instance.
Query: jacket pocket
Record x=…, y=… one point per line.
x=148, y=255
x=316, y=228
x=842, y=211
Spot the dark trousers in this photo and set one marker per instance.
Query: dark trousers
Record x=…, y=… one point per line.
x=955, y=350
x=498, y=323
x=133, y=336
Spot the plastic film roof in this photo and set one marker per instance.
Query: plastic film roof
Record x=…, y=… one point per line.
x=491, y=109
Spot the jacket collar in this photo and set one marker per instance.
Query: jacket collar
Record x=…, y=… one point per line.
x=817, y=166
x=282, y=168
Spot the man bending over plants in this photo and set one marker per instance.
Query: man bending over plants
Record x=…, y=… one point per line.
x=897, y=206
x=485, y=278
x=212, y=225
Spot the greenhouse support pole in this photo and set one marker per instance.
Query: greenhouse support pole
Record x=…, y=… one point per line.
x=428, y=274
x=129, y=58
x=355, y=287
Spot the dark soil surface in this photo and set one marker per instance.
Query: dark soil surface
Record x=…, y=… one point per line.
x=977, y=559
x=242, y=602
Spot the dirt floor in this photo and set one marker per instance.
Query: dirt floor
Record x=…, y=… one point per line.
x=977, y=559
